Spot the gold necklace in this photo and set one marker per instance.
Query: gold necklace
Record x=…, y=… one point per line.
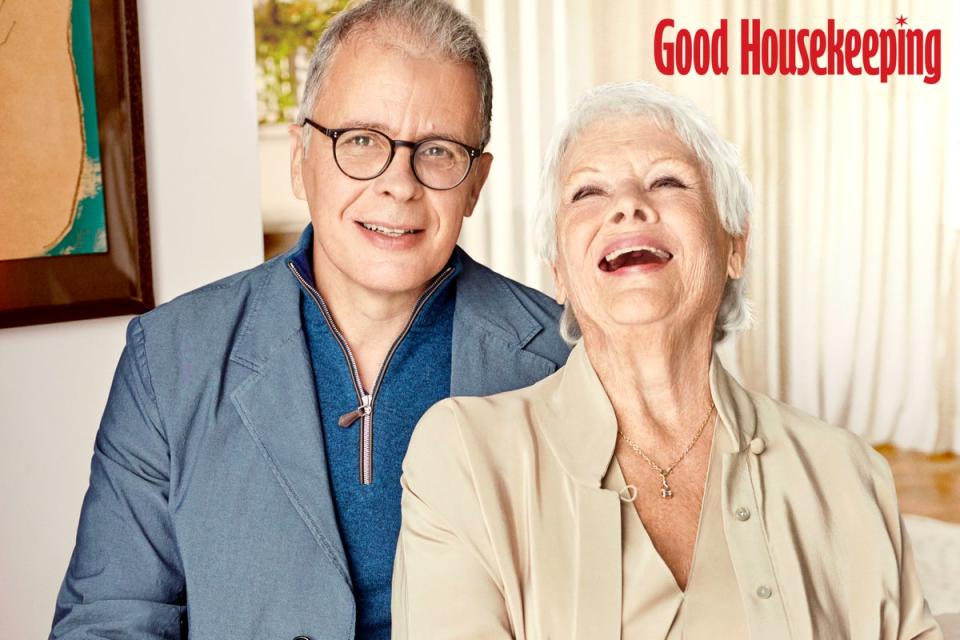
x=665, y=491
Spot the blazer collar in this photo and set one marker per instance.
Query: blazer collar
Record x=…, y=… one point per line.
x=484, y=298
x=484, y=301
x=273, y=314
x=277, y=403
x=581, y=425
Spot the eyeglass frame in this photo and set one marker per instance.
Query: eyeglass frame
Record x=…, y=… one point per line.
x=334, y=134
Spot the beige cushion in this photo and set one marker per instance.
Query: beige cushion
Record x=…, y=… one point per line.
x=950, y=625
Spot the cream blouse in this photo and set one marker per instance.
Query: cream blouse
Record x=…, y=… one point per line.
x=653, y=604
x=509, y=531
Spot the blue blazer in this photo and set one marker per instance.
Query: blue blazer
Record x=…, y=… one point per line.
x=209, y=507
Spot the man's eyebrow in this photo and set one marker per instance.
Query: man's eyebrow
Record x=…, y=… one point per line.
x=366, y=124
x=379, y=126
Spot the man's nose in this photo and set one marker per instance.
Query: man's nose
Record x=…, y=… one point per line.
x=399, y=181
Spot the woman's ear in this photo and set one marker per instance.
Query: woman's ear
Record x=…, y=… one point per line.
x=736, y=262
x=561, y=295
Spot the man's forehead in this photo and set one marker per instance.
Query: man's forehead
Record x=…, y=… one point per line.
x=383, y=87
x=389, y=36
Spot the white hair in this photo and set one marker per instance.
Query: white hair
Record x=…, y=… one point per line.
x=719, y=158
x=428, y=27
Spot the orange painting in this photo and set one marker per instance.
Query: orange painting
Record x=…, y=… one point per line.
x=51, y=195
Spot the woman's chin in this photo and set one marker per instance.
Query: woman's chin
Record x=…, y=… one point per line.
x=638, y=319
x=641, y=306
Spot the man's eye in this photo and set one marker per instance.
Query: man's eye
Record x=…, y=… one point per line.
x=668, y=181
x=584, y=192
x=360, y=140
x=435, y=151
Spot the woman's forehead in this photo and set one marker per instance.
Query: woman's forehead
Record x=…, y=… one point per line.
x=616, y=138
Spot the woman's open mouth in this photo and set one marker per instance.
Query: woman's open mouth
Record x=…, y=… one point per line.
x=639, y=255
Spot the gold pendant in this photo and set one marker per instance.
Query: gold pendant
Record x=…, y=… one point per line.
x=665, y=491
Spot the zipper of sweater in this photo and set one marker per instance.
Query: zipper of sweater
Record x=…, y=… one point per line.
x=364, y=412
x=341, y=341
x=366, y=424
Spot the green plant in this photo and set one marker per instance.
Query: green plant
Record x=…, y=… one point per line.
x=287, y=32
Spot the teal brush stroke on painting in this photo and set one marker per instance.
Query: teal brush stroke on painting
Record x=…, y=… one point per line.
x=88, y=234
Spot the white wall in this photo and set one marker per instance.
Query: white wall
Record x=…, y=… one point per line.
x=200, y=109
x=282, y=211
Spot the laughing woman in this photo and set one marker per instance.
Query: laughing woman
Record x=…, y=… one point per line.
x=641, y=492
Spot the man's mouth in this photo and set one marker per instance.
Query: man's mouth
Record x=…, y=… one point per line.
x=631, y=256
x=390, y=232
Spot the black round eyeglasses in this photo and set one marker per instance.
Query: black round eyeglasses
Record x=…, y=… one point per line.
x=364, y=154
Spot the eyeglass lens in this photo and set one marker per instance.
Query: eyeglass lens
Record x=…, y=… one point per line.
x=438, y=164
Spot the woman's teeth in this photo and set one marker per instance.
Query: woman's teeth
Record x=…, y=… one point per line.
x=659, y=253
x=635, y=255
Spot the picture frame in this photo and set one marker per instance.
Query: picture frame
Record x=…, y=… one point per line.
x=118, y=279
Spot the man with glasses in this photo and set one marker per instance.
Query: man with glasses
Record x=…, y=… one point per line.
x=245, y=482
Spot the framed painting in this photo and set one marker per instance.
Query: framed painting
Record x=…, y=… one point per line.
x=74, y=233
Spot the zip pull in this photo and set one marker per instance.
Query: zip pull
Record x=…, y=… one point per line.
x=347, y=419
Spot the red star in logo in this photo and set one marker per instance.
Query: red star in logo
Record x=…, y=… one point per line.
x=901, y=20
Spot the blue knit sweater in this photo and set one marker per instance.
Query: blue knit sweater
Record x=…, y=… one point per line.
x=417, y=376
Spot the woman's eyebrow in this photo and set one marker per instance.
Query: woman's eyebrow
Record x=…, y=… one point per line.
x=651, y=164
x=673, y=160
x=587, y=169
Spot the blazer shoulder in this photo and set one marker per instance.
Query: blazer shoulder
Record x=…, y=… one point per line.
x=496, y=292
x=211, y=303
x=535, y=301
x=539, y=304
x=187, y=342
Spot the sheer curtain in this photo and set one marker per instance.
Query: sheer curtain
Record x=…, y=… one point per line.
x=855, y=248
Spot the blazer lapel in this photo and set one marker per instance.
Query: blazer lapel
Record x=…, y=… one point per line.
x=490, y=330
x=278, y=405
x=582, y=434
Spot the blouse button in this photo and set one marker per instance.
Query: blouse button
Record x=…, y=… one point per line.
x=757, y=446
x=742, y=514
x=764, y=592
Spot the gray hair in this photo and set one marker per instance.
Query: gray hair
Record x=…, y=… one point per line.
x=719, y=158
x=431, y=26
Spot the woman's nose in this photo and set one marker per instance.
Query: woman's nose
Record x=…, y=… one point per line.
x=632, y=207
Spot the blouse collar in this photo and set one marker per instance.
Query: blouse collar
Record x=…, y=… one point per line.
x=580, y=425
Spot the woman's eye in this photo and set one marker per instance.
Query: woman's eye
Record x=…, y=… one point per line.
x=668, y=181
x=583, y=192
